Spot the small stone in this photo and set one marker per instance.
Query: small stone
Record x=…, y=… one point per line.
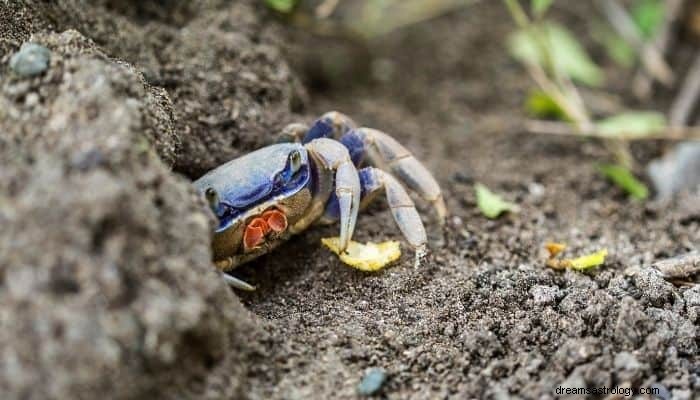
x=626, y=360
x=543, y=295
x=32, y=59
x=655, y=290
x=680, y=394
x=449, y=330
x=679, y=267
x=692, y=296
x=372, y=382
x=677, y=170
x=663, y=392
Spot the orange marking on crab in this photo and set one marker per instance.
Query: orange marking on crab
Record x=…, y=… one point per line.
x=254, y=234
x=276, y=220
x=258, y=222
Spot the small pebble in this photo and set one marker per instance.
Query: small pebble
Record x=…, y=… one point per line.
x=677, y=170
x=544, y=295
x=372, y=382
x=32, y=59
x=663, y=392
x=683, y=266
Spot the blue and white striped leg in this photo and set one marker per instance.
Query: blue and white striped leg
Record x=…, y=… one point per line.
x=372, y=182
x=331, y=125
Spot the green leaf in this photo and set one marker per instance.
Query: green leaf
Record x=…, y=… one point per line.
x=540, y=7
x=615, y=46
x=632, y=124
x=539, y=104
x=589, y=261
x=283, y=6
x=491, y=204
x=553, y=42
x=648, y=15
x=623, y=178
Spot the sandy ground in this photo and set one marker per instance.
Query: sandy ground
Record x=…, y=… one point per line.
x=481, y=318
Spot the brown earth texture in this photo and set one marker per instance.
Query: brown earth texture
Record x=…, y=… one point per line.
x=107, y=289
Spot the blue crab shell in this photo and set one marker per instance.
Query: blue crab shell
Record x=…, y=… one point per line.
x=253, y=179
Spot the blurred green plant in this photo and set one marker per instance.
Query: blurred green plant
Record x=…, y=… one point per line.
x=615, y=46
x=535, y=44
x=632, y=124
x=648, y=15
x=540, y=7
x=557, y=61
x=540, y=104
x=624, y=179
x=491, y=204
x=283, y=6
x=361, y=19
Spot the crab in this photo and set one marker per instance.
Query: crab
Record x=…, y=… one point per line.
x=322, y=174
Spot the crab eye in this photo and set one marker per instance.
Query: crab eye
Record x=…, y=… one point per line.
x=295, y=161
x=212, y=197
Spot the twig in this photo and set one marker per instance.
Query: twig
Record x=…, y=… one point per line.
x=573, y=110
x=565, y=129
x=325, y=9
x=688, y=97
x=518, y=14
x=642, y=82
x=652, y=60
x=404, y=13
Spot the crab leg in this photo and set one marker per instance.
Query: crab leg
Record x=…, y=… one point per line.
x=347, y=190
x=237, y=283
x=386, y=153
x=382, y=151
x=333, y=156
x=293, y=133
x=331, y=125
x=373, y=182
x=402, y=208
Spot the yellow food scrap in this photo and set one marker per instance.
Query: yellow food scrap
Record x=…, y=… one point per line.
x=582, y=263
x=554, y=248
x=365, y=257
x=589, y=261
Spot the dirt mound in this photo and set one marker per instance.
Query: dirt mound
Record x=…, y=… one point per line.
x=106, y=284
x=230, y=87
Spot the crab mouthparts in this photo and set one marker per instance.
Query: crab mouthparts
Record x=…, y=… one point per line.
x=269, y=222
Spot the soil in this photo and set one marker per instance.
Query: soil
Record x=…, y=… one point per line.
x=106, y=289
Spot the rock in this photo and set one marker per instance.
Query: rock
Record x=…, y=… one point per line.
x=545, y=295
x=576, y=351
x=372, y=382
x=106, y=284
x=678, y=170
x=628, y=368
x=681, y=394
x=632, y=324
x=570, y=387
x=692, y=296
x=654, y=289
x=663, y=393
x=32, y=59
x=675, y=329
x=682, y=266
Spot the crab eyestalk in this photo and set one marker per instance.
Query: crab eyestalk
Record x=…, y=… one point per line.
x=212, y=198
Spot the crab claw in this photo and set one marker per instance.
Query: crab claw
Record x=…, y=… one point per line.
x=254, y=234
x=276, y=220
x=260, y=223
